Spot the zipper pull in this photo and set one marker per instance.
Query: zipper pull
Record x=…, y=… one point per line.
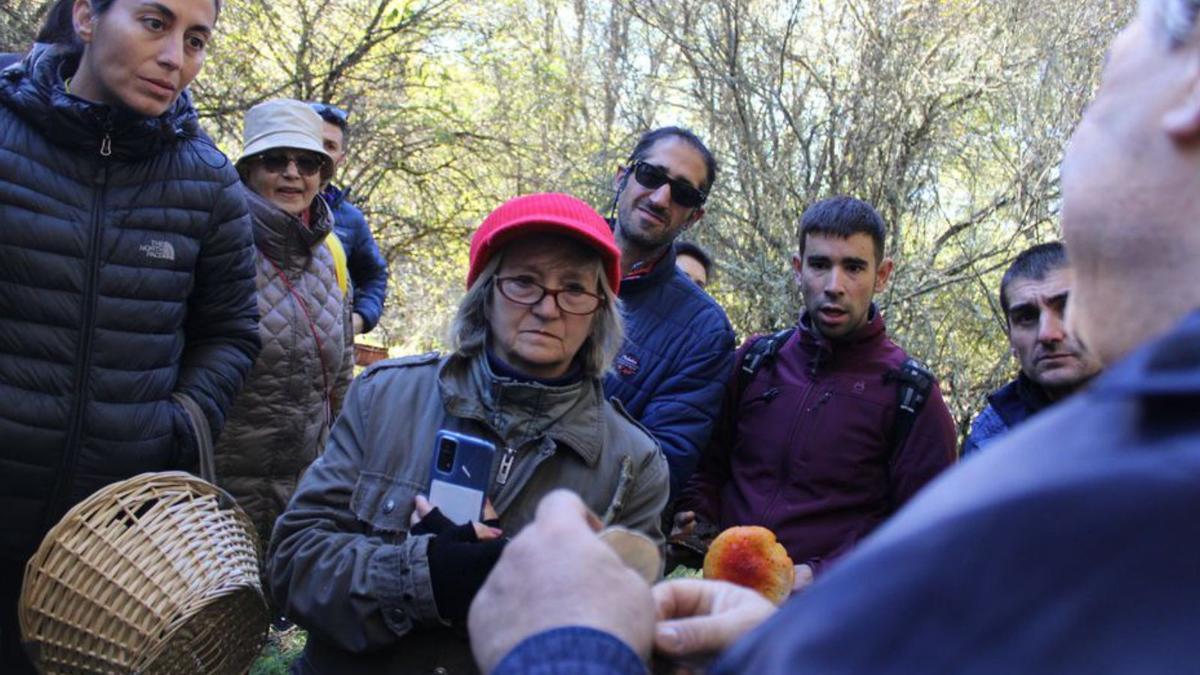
x=506, y=463
x=106, y=145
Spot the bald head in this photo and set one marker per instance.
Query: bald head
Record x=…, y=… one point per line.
x=1130, y=213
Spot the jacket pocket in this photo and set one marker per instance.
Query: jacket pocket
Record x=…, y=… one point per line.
x=384, y=503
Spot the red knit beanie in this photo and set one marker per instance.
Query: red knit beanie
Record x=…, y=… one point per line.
x=545, y=213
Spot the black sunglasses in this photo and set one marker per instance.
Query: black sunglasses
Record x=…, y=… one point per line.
x=653, y=177
x=307, y=163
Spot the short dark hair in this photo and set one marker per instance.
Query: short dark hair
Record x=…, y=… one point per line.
x=59, y=26
x=1033, y=263
x=653, y=136
x=697, y=252
x=335, y=116
x=843, y=217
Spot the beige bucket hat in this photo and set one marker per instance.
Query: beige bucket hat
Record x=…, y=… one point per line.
x=282, y=123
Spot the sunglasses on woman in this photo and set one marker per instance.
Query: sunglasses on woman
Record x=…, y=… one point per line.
x=307, y=163
x=653, y=177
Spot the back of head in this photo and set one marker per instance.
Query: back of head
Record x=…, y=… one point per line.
x=843, y=217
x=1033, y=263
x=1129, y=211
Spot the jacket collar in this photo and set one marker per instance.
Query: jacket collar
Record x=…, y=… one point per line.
x=1167, y=367
x=571, y=415
x=334, y=196
x=1019, y=400
x=661, y=273
x=822, y=350
x=281, y=237
x=34, y=90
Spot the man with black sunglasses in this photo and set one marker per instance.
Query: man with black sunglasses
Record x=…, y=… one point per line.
x=366, y=264
x=678, y=347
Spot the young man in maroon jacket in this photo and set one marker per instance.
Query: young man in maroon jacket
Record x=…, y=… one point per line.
x=808, y=444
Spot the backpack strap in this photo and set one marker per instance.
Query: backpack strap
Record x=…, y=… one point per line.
x=339, y=260
x=915, y=382
x=761, y=354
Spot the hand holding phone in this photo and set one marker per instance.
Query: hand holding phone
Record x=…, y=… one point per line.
x=459, y=477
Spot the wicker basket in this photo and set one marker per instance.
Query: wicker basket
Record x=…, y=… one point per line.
x=365, y=354
x=155, y=574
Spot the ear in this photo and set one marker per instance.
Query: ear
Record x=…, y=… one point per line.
x=1182, y=120
x=619, y=177
x=695, y=216
x=883, y=274
x=797, y=267
x=84, y=20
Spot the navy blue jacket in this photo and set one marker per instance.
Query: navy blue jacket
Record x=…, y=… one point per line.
x=367, y=266
x=670, y=374
x=126, y=282
x=1071, y=546
x=1007, y=407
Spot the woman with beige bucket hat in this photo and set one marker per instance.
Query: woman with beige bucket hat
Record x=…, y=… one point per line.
x=282, y=417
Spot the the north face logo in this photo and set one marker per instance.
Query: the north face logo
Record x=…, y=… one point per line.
x=626, y=365
x=161, y=250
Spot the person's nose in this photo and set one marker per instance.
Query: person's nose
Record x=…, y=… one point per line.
x=290, y=170
x=661, y=196
x=835, y=283
x=1051, y=327
x=547, y=307
x=170, y=55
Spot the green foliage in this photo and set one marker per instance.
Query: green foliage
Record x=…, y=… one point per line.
x=282, y=648
x=949, y=116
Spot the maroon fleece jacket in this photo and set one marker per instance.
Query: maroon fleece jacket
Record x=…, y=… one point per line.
x=806, y=452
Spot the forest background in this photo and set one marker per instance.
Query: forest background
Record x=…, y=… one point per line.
x=949, y=115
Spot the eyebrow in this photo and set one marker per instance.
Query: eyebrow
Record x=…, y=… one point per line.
x=172, y=17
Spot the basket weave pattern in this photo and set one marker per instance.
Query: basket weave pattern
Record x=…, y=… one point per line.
x=148, y=575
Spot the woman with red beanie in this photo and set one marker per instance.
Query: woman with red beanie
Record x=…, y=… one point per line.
x=380, y=577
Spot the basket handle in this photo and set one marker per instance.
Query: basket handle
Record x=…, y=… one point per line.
x=202, y=433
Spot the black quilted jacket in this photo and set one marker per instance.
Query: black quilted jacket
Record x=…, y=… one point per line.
x=126, y=287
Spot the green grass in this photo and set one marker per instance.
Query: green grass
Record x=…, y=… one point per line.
x=281, y=649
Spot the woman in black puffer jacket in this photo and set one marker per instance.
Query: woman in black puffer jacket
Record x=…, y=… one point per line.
x=127, y=298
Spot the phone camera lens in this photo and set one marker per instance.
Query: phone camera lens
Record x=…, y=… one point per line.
x=445, y=456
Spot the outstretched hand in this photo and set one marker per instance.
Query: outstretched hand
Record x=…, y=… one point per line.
x=558, y=573
x=698, y=619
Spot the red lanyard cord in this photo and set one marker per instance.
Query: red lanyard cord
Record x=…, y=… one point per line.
x=316, y=336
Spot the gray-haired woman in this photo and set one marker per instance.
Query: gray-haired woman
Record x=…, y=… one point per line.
x=381, y=581
x=281, y=419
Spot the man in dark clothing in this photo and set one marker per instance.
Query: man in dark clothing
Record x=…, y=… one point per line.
x=1072, y=546
x=678, y=346
x=367, y=266
x=1033, y=296
x=806, y=449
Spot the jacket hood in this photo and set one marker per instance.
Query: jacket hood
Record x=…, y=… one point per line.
x=282, y=237
x=519, y=411
x=34, y=90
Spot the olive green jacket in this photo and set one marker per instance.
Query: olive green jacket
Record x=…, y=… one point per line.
x=342, y=564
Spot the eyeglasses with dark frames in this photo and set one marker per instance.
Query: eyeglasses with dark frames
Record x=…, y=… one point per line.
x=307, y=163
x=653, y=177
x=527, y=292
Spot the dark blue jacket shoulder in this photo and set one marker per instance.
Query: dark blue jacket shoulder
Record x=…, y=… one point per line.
x=367, y=266
x=671, y=371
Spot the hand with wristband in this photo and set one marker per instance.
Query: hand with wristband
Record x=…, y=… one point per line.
x=460, y=556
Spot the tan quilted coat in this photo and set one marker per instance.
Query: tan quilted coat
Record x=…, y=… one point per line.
x=279, y=422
